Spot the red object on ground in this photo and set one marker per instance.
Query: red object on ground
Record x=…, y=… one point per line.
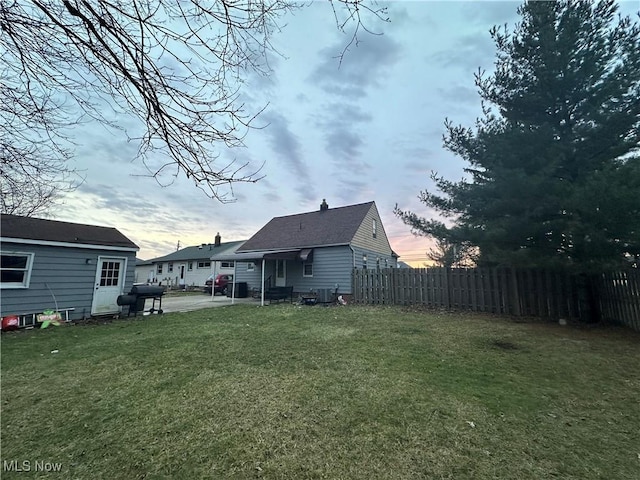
x=11, y=322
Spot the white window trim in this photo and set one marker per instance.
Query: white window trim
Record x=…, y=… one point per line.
x=26, y=281
x=304, y=272
x=251, y=267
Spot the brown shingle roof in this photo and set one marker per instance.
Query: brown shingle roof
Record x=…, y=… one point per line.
x=335, y=226
x=14, y=226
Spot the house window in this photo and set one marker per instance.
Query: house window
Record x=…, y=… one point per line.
x=160, y=268
x=190, y=266
x=374, y=227
x=251, y=267
x=227, y=264
x=15, y=270
x=386, y=263
x=204, y=264
x=170, y=268
x=364, y=261
x=307, y=269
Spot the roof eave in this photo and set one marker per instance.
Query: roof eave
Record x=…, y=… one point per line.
x=296, y=247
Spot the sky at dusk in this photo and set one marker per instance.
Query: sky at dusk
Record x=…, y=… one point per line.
x=367, y=129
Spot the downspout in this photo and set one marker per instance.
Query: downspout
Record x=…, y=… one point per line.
x=353, y=254
x=262, y=289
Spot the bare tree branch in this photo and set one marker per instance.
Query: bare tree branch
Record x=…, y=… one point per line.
x=175, y=65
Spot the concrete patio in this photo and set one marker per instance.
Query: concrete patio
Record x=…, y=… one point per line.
x=188, y=303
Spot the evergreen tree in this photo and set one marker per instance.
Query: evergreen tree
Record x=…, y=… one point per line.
x=554, y=162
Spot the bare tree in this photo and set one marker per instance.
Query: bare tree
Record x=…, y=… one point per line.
x=175, y=65
x=34, y=171
x=452, y=255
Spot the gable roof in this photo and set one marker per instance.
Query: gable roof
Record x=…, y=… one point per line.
x=41, y=231
x=198, y=252
x=334, y=226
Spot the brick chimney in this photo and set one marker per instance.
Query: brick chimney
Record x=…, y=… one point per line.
x=218, y=240
x=324, y=205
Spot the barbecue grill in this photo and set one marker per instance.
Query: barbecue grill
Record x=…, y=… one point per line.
x=136, y=298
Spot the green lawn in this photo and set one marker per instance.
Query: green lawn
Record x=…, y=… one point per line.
x=311, y=392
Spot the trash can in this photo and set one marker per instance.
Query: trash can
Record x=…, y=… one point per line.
x=242, y=290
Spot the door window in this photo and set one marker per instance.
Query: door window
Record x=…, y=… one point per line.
x=280, y=269
x=110, y=274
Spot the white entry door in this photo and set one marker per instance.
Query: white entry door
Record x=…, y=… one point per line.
x=109, y=284
x=281, y=273
x=182, y=268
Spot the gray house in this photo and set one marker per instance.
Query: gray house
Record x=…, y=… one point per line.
x=314, y=251
x=73, y=268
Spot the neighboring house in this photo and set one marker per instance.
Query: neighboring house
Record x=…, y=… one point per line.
x=61, y=266
x=145, y=271
x=315, y=250
x=189, y=266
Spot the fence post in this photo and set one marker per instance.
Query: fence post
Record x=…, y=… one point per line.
x=514, y=297
x=447, y=293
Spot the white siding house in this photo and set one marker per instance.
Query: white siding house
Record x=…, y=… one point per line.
x=189, y=266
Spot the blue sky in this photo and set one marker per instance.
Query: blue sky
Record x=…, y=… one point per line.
x=367, y=129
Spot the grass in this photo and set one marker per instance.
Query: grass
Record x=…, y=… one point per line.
x=311, y=392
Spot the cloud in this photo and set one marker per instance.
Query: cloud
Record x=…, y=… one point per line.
x=339, y=123
x=361, y=67
x=345, y=146
x=286, y=144
x=348, y=113
x=459, y=93
x=346, y=84
x=351, y=190
x=272, y=197
x=468, y=53
x=490, y=12
x=418, y=167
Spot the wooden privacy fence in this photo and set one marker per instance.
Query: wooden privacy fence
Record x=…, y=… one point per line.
x=537, y=293
x=619, y=297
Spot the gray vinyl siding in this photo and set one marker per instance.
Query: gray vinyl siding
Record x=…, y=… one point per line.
x=62, y=272
x=331, y=266
x=364, y=235
x=371, y=259
x=254, y=278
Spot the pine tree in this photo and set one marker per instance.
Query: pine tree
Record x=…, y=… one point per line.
x=554, y=162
